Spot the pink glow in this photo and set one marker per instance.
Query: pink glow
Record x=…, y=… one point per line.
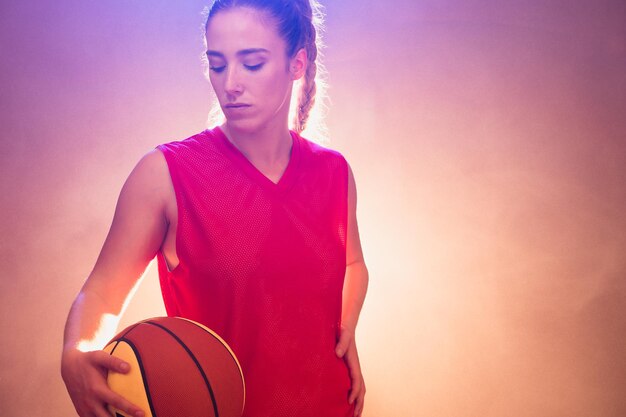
x=488, y=141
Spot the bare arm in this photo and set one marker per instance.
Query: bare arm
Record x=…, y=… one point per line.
x=354, y=289
x=136, y=234
x=357, y=277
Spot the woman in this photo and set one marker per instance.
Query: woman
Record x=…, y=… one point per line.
x=254, y=229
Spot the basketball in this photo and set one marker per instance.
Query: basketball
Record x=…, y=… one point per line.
x=179, y=368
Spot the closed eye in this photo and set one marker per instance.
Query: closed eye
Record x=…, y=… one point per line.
x=217, y=69
x=254, y=67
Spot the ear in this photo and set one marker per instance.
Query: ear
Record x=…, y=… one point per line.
x=298, y=64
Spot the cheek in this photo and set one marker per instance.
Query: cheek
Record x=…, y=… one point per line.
x=275, y=85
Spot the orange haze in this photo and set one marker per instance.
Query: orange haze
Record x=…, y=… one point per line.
x=488, y=140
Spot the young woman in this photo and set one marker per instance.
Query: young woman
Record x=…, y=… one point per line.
x=254, y=229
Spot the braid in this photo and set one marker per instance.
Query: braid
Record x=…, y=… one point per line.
x=310, y=96
x=306, y=98
x=300, y=24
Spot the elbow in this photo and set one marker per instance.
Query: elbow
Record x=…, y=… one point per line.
x=358, y=269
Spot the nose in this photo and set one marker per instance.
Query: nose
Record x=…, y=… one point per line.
x=232, y=83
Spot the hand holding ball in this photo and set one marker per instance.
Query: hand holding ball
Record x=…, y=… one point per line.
x=179, y=368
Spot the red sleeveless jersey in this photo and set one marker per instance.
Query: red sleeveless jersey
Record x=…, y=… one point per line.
x=263, y=265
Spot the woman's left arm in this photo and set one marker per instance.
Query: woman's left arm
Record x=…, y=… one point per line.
x=354, y=290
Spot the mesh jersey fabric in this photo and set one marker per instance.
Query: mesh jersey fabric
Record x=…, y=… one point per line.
x=263, y=265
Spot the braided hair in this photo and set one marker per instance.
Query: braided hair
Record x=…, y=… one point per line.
x=299, y=23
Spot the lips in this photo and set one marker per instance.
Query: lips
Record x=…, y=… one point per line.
x=236, y=105
x=234, y=111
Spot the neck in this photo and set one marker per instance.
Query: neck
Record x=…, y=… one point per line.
x=267, y=146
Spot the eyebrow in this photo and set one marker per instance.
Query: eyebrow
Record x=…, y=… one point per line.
x=243, y=52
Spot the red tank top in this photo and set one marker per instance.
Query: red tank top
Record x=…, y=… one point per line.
x=263, y=265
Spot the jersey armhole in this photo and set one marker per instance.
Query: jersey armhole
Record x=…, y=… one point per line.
x=175, y=180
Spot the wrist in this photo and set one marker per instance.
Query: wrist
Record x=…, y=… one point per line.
x=348, y=325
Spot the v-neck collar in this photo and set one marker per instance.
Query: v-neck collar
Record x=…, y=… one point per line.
x=286, y=180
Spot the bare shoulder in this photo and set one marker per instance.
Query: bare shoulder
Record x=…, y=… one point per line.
x=151, y=169
x=139, y=226
x=150, y=179
x=147, y=193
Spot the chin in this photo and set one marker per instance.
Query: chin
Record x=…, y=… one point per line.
x=246, y=125
x=242, y=125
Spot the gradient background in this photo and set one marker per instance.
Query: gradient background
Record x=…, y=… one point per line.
x=488, y=139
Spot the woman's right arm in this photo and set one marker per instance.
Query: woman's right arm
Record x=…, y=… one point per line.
x=137, y=232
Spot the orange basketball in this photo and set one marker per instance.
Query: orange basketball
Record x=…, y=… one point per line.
x=178, y=368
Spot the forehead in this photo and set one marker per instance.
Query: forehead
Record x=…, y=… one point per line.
x=240, y=28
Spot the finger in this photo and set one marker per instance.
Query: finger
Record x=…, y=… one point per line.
x=121, y=403
x=102, y=411
x=355, y=391
x=358, y=399
x=344, y=343
x=358, y=409
x=110, y=362
x=362, y=398
x=94, y=408
x=354, y=365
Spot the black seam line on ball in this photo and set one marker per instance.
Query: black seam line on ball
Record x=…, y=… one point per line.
x=230, y=352
x=195, y=360
x=143, y=373
x=121, y=336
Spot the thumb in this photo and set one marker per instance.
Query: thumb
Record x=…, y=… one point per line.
x=345, y=339
x=109, y=362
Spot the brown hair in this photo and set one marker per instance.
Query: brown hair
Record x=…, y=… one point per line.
x=299, y=23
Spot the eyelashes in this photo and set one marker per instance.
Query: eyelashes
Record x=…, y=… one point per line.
x=253, y=68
